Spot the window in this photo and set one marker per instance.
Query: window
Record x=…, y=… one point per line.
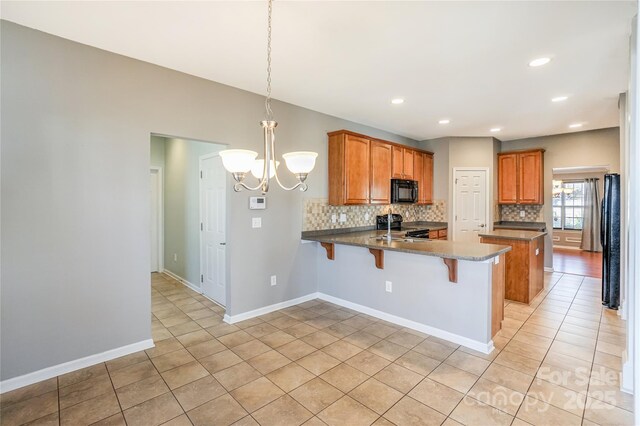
x=568, y=204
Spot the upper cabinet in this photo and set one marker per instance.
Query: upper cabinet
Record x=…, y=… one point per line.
x=423, y=173
x=361, y=169
x=402, y=166
x=380, y=173
x=521, y=177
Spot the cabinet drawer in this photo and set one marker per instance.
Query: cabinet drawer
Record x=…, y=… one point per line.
x=442, y=234
x=433, y=235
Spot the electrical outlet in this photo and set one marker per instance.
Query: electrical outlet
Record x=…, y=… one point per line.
x=273, y=280
x=521, y=213
x=496, y=260
x=256, y=222
x=343, y=217
x=334, y=218
x=175, y=257
x=366, y=216
x=388, y=286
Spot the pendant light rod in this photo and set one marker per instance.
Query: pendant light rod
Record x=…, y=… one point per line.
x=240, y=161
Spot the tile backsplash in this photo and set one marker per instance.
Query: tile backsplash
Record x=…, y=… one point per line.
x=318, y=212
x=532, y=213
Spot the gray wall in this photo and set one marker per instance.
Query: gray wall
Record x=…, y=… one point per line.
x=75, y=183
x=182, y=206
x=592, y=148
x=453, y=152
x=421, y=289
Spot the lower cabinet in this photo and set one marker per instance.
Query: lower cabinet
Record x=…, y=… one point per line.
x=524, y=267
x=438, y=234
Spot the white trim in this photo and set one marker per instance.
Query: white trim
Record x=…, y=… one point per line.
x=232, y=319
x=183, y=281
x=488, y=194
x=67, y=367
x=548, y=269
x=485, y=348
x=580, y=169
x=226, y=230
x=160, y=216
x=567, y=247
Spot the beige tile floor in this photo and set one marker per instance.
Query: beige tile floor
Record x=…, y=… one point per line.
x=556, y=362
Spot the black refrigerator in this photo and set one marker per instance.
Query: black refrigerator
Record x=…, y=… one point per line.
x=610, y=238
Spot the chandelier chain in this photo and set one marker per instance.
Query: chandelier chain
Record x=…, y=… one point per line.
x=267, y=102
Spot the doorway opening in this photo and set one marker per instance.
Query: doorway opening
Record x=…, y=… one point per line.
x=577, y=195
x=188, y=214
x=470, y=203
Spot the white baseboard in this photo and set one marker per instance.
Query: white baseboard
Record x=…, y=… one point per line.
x=182, y=281
x=548, y=269
x=485, y=348
x=232, y=319
x=67, y=367
x=455, y=338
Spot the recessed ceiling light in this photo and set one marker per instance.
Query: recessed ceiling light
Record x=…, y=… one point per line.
x=445, y=121
x=539, y=62
x=559, y=98
x=575, y=125
x=495, y=129
x=397, y=101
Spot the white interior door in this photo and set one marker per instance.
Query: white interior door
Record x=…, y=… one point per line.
x=470, y=215
x=213, y=238
x=155, y=220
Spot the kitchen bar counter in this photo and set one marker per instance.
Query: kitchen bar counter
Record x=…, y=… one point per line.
x=526, y=226
x=443, y=249
x=513, y=234
x=454, y=291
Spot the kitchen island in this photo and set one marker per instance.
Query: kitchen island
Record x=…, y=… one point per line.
x=524, y=265
x=450, y=290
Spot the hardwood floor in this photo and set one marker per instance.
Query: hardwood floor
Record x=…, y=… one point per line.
x=578, y=262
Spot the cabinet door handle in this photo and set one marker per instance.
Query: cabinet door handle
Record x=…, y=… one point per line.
x=482, y=225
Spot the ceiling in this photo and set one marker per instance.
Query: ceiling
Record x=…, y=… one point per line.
x=464, y=61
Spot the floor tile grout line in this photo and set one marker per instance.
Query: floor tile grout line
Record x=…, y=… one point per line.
x=548, y=349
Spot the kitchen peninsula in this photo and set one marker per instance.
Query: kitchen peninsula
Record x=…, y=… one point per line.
x=450, y=290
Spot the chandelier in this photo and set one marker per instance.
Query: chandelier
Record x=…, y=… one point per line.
x=240, y=161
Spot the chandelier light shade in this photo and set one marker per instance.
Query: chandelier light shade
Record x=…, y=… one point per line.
x=257, y=170
x=301, y=162
x=240, y=161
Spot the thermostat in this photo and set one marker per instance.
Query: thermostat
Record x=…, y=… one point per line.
x=257, y=203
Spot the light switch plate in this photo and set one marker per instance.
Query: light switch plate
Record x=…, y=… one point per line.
x=522, y=213
x=334, y=218
x=256, y=222
x=537, y=251
x=343, y=217
x=388, y=286
x=497, y=260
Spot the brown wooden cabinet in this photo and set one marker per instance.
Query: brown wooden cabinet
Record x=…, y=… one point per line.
x=380, y=173
x=423, y=174
x=349, y=167
x=402, y=166
x=524, y=267
x=521, y=177
x=361, y=168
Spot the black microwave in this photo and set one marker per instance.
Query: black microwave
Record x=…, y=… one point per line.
x=404, y=191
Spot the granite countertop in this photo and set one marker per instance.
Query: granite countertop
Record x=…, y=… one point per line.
x=532, y=226
x=437, y=248
x=513, y=234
